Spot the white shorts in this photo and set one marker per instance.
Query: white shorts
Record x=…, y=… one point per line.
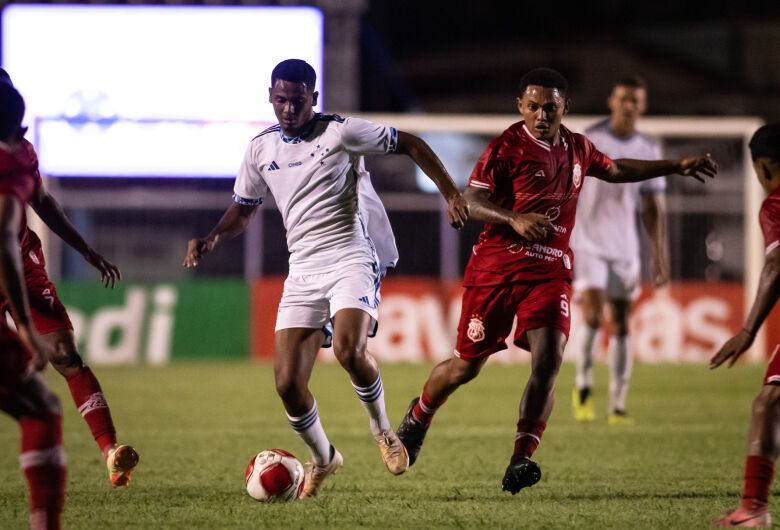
x=311, y=300
x=619, y=279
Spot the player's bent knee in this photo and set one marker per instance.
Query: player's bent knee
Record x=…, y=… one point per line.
x=290, y=388
x=464, y=372
x=546, y=369
x=348, y=347
x=767, y=399
x=593, y=321
x=66, y=356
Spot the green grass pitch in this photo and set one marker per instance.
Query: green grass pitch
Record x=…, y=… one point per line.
x=196, y=426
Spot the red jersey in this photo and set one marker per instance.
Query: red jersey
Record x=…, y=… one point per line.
x=528, y=175
x=20, y=178
x=769, y=219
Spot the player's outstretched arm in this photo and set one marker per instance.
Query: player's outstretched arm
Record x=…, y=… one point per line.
x=233, y=222
x=632, y=170
x=426, y=159
x=654, y=219
x=51, y=213
x=12, y=280
x=766, y=297
x=530, y=226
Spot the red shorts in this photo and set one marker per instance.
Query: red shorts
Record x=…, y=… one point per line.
x=773, y=370
x=14, y=361
x=487, y=314
x=46, y=310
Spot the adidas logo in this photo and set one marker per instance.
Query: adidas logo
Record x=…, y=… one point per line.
x=368, y=302
x=539, y=174
x=273, y=166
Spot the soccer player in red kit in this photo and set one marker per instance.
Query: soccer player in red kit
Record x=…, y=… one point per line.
x=23, y=394
x=524, y=188
x=51, y=321
x=764, y=434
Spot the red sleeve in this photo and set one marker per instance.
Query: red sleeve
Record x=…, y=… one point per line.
x=491, y=167
x=8, y=184
x=19, y=174
x=34, y=158
x=596, y=163
x=769, y=219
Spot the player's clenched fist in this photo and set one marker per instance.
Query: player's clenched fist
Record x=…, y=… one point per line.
x=457, y=211
x=195, y=250
x=531, y=226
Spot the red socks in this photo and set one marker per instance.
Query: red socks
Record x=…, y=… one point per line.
x=426, y=407
x=42, y=460
x=529, y=433
x=758, y=478
x=88, y=396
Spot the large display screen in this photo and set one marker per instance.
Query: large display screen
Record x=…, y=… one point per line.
x=151, y=90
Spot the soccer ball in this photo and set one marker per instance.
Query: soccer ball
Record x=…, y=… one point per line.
x=274, y=475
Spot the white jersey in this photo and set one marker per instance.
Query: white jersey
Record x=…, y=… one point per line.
x=332, y=215
x=606, y=213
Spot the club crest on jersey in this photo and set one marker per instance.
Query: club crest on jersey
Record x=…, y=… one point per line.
x=577, y=175
x=553, y=213
x=476, y=331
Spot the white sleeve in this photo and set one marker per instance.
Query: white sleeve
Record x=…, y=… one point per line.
x=250, y=187
x=366, y=138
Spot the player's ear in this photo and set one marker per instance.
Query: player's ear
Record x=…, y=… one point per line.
x=566, y=106
x=20, y=132
x=269, y=94
x=767, y=174
x=519, y=104
x=314, y=97
x=642, y=106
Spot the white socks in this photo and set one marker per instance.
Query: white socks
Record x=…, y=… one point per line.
x=373, y=398
x=620, y=364
x=587, y=340
x=311, y=432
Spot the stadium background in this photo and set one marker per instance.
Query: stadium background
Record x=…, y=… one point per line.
x=419, y=63
x=202, y=410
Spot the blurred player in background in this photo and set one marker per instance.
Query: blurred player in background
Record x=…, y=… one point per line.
x=606, y=242
x=340, y=244
x=525, y=188
x=52, y=322
x=764, y=432
x=23, y=393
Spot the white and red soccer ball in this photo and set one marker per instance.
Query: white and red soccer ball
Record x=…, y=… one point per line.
x=274, y=475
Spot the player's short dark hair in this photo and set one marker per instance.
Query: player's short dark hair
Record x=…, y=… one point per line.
x=11, y=110
x=295, y=71
x=765, y=142
x=546, y=77
x=5, y=78
x=633, y=81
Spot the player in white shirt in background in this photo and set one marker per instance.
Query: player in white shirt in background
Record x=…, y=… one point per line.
x=606, y=244
x=340, y=242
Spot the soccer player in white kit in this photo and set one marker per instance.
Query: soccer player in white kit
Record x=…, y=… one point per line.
x=340, y=244
x=606, y=244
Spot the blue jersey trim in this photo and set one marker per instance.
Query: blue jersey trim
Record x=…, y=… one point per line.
x=330, y=117
x=271, y=129
x=247, y=202
x=393, y=140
